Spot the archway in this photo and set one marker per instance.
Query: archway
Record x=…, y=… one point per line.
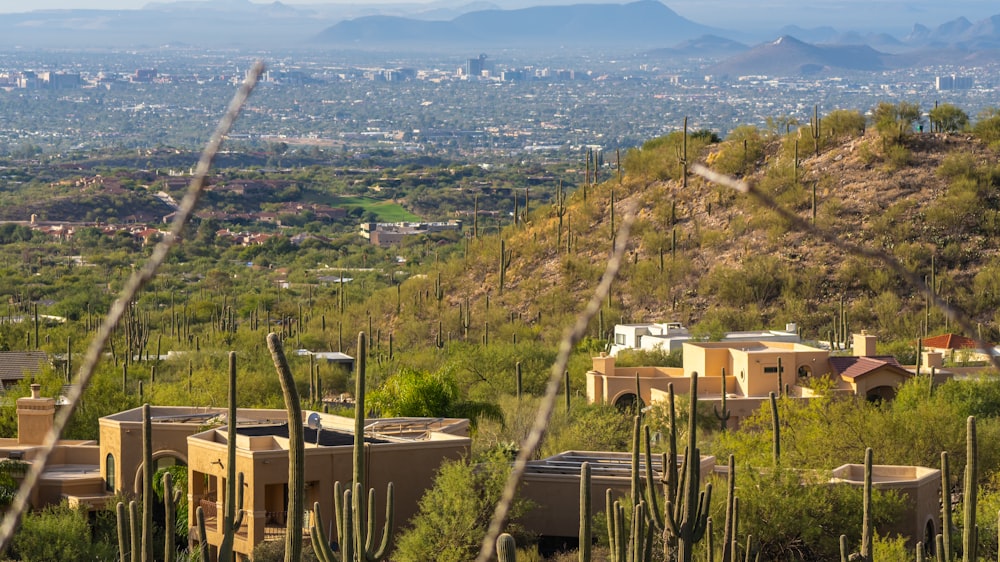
x=629, y=402
x=161, y=459
x=881, y=393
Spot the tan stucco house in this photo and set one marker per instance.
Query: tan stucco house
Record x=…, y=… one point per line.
x=747, y=372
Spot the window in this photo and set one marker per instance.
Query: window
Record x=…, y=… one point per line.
x=770, y=370
x=109, y=470
x=804, y=371
x=619, y=339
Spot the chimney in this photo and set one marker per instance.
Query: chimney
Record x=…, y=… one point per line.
x=864, y=345
x=604, y=364
x=34, y=417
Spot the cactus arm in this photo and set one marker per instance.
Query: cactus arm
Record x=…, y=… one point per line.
x=654, y=515
x=238, y=519
x=609, y=511
x=321, y=546
x=638, y=538
x=347, y=543
x=387, y=531
x=122, y=532
x=338, y=511
x=704, y=507
x=133, y=512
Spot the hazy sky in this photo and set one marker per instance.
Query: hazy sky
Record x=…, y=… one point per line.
x=838, y=13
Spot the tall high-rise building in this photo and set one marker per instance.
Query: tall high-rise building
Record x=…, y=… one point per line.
x=475, y=67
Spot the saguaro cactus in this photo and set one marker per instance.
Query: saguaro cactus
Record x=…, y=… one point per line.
x=969, y=538
x=866, y=523
x=296, y=450
x=506, y=548
x=945, y=550
x=505, y=257
x=775, y=430
x=356, y=516
x=585, y=506
x=724, y=414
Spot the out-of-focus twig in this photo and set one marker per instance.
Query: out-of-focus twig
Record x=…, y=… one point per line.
x=834, y=239
x=135, y=283
x=540, y=425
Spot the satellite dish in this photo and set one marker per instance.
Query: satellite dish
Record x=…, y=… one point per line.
x=314, y=422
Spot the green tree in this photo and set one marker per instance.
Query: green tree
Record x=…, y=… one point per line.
x=948, y=118
x=422, y=394
x=844, y=122
x=895, y=121
x=58, y=532
x=987, y=128
x=456, y=511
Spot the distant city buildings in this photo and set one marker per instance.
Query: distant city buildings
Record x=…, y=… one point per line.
x=953, y=82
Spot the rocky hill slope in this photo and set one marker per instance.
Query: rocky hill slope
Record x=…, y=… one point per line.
x=712, y=258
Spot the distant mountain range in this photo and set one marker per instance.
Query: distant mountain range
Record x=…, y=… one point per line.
x=645, y=26
x=645, y=23
x=789, y=56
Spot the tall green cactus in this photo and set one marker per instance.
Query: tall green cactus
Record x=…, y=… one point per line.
x=170, y=498
x=505, y=257
x=506, y=548
x=585, y=507
x=724, y=414
x=296, y=450
x=123, y=532
x=356, y=516
x=969, y=531
x=814, y=128
x=685, y=515
x=729, y=530
x=945, y=550
x=147, y=485
x=233, y=507
x=775, y=430
x=866, y=522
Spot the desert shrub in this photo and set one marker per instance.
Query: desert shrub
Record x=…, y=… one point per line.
x=897, y=157
x=743, y=148
x=841, y=122
x=456, y=511
x=58, y=532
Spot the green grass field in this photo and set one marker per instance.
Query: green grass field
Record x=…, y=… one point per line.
x=387, y=211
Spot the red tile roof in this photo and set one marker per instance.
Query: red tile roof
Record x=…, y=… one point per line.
x=853, y=367
x=949, y=341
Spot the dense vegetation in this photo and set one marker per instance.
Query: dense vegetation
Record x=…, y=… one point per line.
x=449, y=325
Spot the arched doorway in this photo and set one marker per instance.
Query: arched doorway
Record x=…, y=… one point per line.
x=629, y=402
x=881, y=394
x=161, y=459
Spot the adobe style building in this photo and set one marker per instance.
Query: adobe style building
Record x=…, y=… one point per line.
x=954, y=348
x=747, y=371
x=670, y=336
x=553, y=484
x=405, y=451
x=72, y=471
